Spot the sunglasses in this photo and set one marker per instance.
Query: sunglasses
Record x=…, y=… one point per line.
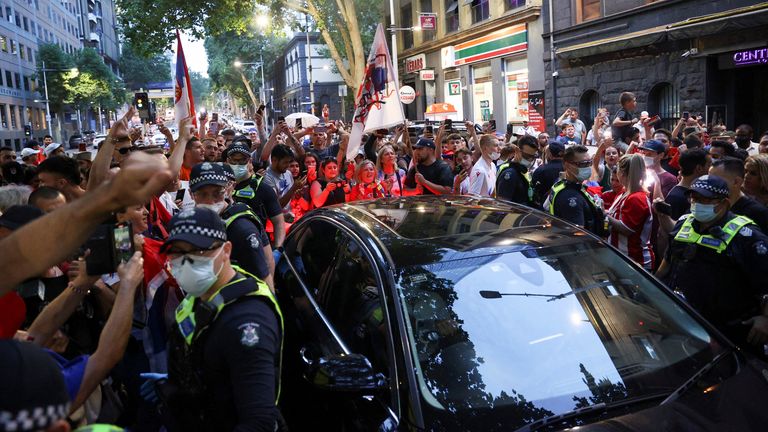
x=126, y=150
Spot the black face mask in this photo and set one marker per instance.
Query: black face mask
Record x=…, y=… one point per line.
x=742, y=142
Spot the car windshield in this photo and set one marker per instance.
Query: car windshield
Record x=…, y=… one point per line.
x=543, y=331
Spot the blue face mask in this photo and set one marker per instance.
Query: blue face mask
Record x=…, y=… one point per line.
x=703, y=212
x=241, y=171
x=584, y=173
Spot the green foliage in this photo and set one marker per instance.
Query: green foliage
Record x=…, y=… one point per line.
x=55, y=59
x=200, y=87
x=138, y=70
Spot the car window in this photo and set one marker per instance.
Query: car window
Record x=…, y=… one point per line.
x=312, y=252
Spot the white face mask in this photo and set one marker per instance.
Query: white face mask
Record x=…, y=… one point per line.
x=217, y=207
x=195, y=274
x=526, y=163
x=584, y=174
x=494, y=155
x=241, y=172
x=649, y=161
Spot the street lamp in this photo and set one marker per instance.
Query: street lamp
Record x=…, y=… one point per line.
x=74, y=71
x=238, y=64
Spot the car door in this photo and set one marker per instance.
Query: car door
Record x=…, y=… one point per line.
x=337, y=311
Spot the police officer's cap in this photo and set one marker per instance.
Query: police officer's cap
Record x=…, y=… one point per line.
x=710, y=186
x=208, y=173
x=200, y=227
x=238, y=147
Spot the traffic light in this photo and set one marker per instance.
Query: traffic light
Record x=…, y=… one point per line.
x=28, y=131
x=141, y=102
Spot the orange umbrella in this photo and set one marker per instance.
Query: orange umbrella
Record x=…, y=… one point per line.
x=441, y=108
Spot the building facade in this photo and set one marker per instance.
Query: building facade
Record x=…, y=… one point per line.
x=24, y=26
x=292, y=90
x=484, y=57
x=708, y=58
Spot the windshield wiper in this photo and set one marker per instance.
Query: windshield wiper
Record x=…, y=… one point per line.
x=601, y=407
x=696, y=377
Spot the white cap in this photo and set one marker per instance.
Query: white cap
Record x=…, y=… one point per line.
x=50, y=148
x=643, y=114
x=28, y=152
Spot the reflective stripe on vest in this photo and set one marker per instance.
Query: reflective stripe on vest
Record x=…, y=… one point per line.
x=249, y=191
x=689, y=235
x=246, y=213
x=526, y=176
x=558, y=187
x=185, y=316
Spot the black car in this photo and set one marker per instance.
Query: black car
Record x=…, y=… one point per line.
x=471, y=314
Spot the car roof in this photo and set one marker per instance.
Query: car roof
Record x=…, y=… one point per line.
x=413, y=228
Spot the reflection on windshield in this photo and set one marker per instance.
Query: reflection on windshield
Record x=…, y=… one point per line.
x=554, y=329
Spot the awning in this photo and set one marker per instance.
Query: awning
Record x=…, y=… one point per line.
x=735, y=19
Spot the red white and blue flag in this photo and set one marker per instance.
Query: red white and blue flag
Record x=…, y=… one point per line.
x=184, y=103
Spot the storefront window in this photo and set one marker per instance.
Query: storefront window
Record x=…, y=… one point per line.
x=453, y=91
x=482, y=92
x=516, y=90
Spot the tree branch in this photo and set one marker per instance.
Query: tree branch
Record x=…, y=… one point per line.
x=345, y=73
x=250, y=91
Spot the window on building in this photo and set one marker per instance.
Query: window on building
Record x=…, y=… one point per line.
x=514, y=4
x=451, y=15
x=3, y=116
x=426, y=7
x=17, y=19
x=22, y=52
x=13, y=116
x=29, y=55
x=588, y=106
x=18, y=80
x=26, y=23
x=13, y=46
x=481, y=10
x=588, y=10
x=3, y=43
x=8, y=79
x=9, y=14
x=26, y=83
x=406, y=21
x=663, y=100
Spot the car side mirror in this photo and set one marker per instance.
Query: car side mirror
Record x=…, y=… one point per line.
x=345, y=373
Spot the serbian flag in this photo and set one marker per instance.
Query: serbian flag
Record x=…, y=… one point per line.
x=183, y=100
x=377, y=103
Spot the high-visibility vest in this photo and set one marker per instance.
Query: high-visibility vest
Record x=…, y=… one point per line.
x=687, y=234
x=559, y=187
x=249, y=192
x=525, y=176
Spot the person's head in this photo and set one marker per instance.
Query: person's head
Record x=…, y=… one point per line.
x=123, y=148
x=489, y=146
x=569, y=130
x=574, y=114
x=628, y=101
x=732, y=171
x=198, y=250
x=543, y=140
x=34, y=396
x=529, y=150
x=208, y=184
x=424, y=150
x=611, y=156
x=463, y=158
x=221, y=141
x=631, y=172
x=763, y=146
x=756, y=175
x=228, y=135
x=631, y=136
x=13, y=172
x=577, y=163
x=54, y=149
x=253, y=135
x=310, y=163
x=555, y=150
x=210, y=150
x=663, y=136
x=744, y=136
x=194, y=153
x=709, y=198
x=33, y=145
x=694, y=163
x=318, y=140
x=616, y=184
x=238, y=157
x=59, y=172
x=29, y=156
x=454, y=142
x=365, y=172
x=13, y=195
x=7, y=154
x=47, y=199
x=692, y=141
x=652, y=152
x=47, y=140
x=720, y=149
x=281, y=157
x=386, y=157
x=16, y=216
x=330, y=168
x=137, y=215
x=84, y=160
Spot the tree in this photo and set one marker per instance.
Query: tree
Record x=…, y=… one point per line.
x=200, y=86
x=138, y=71
x=58, y=64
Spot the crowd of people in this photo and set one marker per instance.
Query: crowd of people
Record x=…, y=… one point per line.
x=186, y=333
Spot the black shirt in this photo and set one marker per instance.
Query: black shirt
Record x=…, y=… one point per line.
x=545, y=176
x=438, y=173
x=620, y=132
x=724, y=287
x=511, y=184
x=678, y=201
x=571, y=204
x=247, y=246
x=752, y=209
x=262, y=199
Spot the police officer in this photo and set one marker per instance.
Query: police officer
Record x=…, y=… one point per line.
x=259, y=196
x=719, y=262
x=513, y=182
x=225, y=349
x=208, y=184
x=569, y=198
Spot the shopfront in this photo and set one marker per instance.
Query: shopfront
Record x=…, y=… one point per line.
x=737, y=87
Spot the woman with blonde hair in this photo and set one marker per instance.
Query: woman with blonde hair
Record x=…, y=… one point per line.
x=629, y=219
x=756, y=178
x=390, y=175
x=367, y=185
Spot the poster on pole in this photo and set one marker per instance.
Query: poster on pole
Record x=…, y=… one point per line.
x=536, y=117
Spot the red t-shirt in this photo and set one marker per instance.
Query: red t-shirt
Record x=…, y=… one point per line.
x=634, y=211
x=184, y=173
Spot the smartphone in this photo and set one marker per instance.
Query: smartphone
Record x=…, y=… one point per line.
x=663, y=207
x=298, y=123
x=261, y=108
x=510, y=128
x=214, y=117
x=109, y=245
x=448, y=124
x=321, y=128
x=492, y=125
x=180, y=194
x=213, y=127
x=654, y=119
x=203, y=115
x=686, y=115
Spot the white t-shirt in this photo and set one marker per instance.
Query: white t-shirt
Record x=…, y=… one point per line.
x=482, y=178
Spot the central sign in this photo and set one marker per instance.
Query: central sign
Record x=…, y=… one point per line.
x=750, y=57
x=415, y=63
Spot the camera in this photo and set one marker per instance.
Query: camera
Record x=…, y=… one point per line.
x=109, y=245
x=340, y=183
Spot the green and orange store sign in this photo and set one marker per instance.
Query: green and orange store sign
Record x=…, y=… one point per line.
x=502, y=42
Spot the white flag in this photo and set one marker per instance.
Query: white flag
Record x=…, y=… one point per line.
x=377, y=103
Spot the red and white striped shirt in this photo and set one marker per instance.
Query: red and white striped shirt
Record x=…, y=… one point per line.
x=634, y=211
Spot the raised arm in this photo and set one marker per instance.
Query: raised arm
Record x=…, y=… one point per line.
x=559, y=121
x=103, y=159
x=177, y=155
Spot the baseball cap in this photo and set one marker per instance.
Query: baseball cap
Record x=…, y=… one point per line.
x=50, y=148
x=710, y=186
x=34, y=393
x=85, y=155
x=424, y=142
x=207, y=173
x=556, y=148
x=28, y=152
x=653, y=145
x=19, y=215
x=238, y=147
x=200, y=227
